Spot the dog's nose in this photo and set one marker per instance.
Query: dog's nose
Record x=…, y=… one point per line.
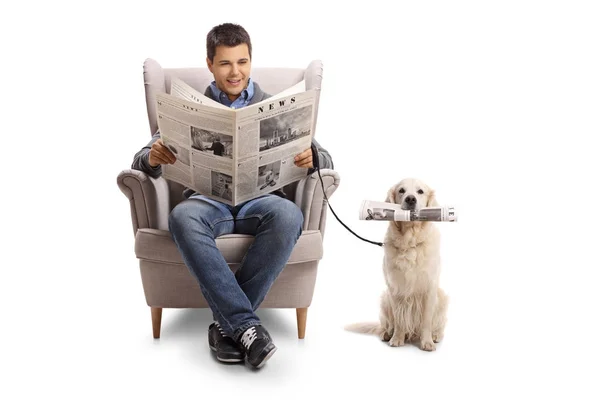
x=411, y=200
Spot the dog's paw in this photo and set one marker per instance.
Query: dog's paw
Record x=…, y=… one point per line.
x=437, y=337
x=396, y=341
x=384, y=336
x=427, y=345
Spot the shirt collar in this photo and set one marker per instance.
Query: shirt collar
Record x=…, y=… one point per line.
x=244, y=98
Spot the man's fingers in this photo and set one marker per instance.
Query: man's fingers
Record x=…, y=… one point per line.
x=157, y=158
x=302, y=157
x=305, y=164
x=164, y=152
x=168, y=155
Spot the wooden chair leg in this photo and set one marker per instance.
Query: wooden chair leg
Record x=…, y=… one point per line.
x=156, y=318
x=301, y=317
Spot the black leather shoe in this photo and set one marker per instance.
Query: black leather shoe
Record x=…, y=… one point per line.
x=258, y=345
x=226, y=348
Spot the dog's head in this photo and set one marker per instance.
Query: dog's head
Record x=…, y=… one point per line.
x=411, y=194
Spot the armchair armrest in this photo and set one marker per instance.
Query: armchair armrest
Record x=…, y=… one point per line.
x=309, y=197
x=148, y=199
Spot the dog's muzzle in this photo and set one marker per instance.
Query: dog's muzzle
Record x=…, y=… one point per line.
x=410, y=202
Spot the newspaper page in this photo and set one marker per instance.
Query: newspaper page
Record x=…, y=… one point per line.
x=184, y=91
x=235, y=155
x=268, y=136
x=202, y=139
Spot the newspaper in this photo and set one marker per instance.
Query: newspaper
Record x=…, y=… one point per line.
x=382, y=211
x=235, y=155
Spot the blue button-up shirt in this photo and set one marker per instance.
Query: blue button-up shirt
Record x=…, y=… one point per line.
x=240, y=102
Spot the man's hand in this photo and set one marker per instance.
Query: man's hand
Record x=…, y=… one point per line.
x=160, y=154
x=304, y=159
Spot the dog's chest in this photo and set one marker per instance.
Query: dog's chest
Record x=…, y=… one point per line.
x=408, y=257
x=408, y=271
x=410, y=248
x=410, y=261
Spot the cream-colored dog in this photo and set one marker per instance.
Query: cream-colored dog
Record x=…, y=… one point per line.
x=413, y=307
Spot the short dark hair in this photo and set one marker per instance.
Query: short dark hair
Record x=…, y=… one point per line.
x=226, y=34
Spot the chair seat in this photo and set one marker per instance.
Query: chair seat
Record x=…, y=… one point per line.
x=158, y=246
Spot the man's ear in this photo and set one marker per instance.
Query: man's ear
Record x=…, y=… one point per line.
x=432, y=200
x=209, y=65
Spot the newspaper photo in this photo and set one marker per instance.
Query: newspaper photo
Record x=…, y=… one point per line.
x=235, y=155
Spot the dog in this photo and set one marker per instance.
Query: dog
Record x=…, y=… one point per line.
x=413, y=306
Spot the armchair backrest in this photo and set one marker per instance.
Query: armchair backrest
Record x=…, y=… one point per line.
x=271, y=80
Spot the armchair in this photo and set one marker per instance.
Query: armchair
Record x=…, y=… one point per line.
x=166, y=280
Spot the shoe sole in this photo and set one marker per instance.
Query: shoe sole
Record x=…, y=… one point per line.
x=266, y=357
x=226, y=360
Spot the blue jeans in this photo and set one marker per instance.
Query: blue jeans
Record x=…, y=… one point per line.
x=275, y=222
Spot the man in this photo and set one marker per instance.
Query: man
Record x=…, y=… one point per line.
x=195, y=223
x=217, y=147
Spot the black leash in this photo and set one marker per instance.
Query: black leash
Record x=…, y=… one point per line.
x=323, y=187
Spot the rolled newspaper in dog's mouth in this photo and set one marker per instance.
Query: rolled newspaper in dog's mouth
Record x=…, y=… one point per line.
x=381, y=211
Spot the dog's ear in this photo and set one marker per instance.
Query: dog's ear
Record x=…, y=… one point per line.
x=432, y=200
x=391, y=195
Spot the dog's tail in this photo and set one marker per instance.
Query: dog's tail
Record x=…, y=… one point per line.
x=365, y=327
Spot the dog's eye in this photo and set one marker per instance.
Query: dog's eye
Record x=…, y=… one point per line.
x=420, y=191
x=401, y=191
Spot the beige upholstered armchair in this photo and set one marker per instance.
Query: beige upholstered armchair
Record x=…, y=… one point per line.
x=165, y=278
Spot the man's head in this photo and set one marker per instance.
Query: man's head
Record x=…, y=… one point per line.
x=228, y=56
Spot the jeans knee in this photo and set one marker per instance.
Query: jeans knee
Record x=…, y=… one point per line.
x=178, y=217
x=288, y=216
x=185, y=215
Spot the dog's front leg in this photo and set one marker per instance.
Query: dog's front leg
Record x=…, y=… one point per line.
x=386, y=318
x=398, y=337
x=427, y=321
x=396, y=307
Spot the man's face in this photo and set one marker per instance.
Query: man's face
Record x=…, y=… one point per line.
x=231, y=69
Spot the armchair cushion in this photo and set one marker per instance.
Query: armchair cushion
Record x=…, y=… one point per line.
x=158, y=246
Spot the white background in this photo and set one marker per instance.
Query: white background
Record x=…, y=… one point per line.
x=494, y=104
